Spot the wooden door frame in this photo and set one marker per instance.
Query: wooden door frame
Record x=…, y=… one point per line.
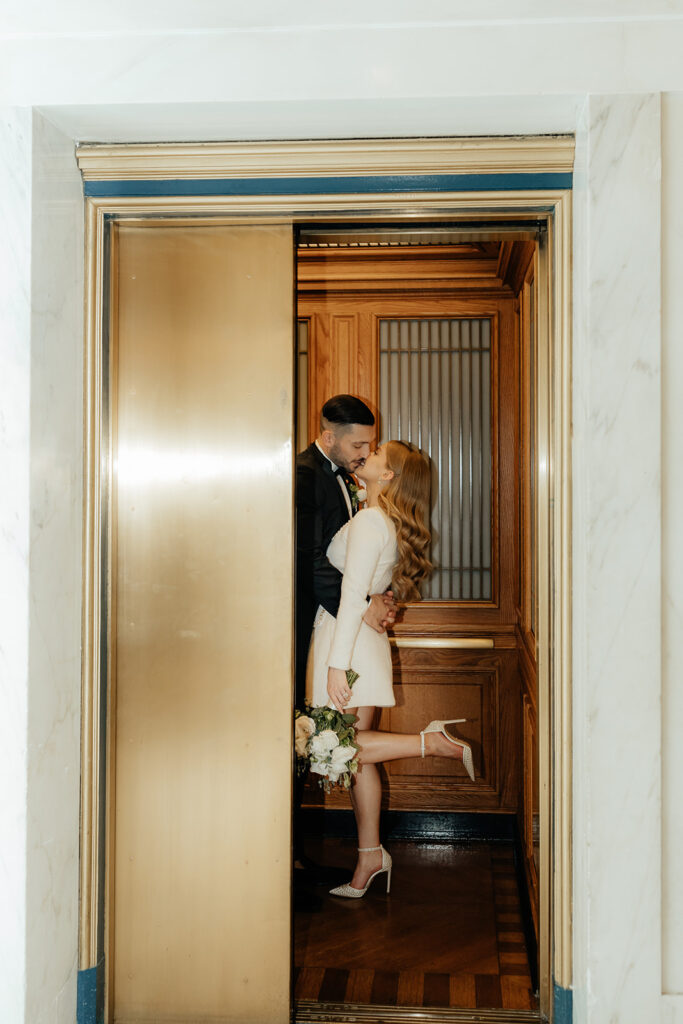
x=485, y=187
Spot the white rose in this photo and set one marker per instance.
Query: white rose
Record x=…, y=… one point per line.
x=324, y=742
x=341, y=755
x=304, y=727
x=362, y=494
x=325, y=769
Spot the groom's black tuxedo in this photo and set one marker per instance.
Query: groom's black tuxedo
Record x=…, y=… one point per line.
x=321, y=510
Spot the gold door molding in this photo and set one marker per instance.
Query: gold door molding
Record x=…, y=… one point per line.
x=551, y=209
x=330, y=158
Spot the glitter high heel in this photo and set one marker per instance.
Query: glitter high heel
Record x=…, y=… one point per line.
x=439, y=725
x=349, y=892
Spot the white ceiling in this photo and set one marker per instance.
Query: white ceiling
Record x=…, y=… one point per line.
x=76, y=17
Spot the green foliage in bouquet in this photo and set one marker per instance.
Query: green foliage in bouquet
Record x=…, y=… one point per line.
x=325, y=743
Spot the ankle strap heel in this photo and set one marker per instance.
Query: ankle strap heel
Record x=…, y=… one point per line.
x=349, y=892
x=439, y=725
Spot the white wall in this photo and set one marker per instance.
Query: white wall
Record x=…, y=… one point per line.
x=672, y=541
x=106, y=72
x=616, y=559
x=15, y=415
x=53, y=763
x=206, y=52
x=41, y=430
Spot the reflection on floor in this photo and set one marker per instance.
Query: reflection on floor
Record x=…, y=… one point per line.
x=449, y=934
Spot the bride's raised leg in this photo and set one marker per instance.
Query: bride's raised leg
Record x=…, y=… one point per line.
x=376, y=746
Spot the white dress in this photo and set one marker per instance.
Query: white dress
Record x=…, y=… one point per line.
x=365, y=551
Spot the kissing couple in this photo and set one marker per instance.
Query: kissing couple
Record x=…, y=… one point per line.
x=355, y=566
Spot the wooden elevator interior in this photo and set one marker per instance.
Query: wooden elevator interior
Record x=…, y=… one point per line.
x=469, y=651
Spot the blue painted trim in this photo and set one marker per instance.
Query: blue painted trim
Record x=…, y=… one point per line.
x=90, y=995
x=562, y=1005
x=86, y=1004
x=327, y=186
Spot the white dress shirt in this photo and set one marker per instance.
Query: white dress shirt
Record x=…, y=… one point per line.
x=345, y=491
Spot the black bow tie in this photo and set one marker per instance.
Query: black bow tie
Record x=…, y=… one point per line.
x=344, y=475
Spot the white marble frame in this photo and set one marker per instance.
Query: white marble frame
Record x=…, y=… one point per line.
x=41, y=435
x=616, y=563
x=617, y=956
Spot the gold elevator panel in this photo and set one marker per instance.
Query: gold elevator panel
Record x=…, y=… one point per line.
x=202, y=553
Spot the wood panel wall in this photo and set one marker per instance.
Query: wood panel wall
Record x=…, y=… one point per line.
x=344, y=294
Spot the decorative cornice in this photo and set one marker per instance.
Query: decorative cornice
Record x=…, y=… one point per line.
x=191, y=161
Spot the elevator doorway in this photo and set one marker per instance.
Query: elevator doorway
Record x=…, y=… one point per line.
x=438, y=336
x=258, y=993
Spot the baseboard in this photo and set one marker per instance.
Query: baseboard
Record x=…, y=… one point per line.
x=418, y=826
x=563, y=1005
x=90, y=995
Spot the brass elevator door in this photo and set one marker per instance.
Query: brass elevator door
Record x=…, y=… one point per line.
x=201, y=657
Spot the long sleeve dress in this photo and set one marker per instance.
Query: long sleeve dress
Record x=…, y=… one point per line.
x=365, y=551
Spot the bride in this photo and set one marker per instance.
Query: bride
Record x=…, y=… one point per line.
x=384, y=545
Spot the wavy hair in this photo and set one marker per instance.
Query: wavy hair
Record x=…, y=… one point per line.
x=405, y=499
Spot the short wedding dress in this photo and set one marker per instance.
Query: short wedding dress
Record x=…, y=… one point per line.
x=365, y=551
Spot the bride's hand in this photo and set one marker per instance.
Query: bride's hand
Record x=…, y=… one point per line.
x=338, y=688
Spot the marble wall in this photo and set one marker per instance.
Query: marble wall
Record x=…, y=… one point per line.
x=196, y=79
x=672, y=547
x=15, y=414
x=616, y=560
x=53, y=762
x=41, y=326
x=445, y=48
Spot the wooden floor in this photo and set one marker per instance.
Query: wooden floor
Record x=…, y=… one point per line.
x=449, y=934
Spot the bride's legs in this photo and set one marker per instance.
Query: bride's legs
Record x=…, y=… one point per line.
x=366, y=790
x=366, y=799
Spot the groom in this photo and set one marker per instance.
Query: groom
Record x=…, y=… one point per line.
x=324, y=502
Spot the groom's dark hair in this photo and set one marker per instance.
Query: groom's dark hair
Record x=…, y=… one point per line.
x=344, y=411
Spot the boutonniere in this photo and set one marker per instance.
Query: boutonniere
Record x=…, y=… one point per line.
x=358, y=496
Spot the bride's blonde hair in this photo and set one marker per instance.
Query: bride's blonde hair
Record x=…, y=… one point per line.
x=405, y=499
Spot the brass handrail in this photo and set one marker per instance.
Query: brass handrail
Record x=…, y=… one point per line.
x=443, y=642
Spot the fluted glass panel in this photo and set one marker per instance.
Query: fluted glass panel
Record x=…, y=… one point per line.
x=435, y=390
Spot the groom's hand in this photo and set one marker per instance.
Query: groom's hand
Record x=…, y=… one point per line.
x=390, y=609
x=381, y=612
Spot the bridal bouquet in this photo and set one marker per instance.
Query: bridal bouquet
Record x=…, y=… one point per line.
x=325, y=742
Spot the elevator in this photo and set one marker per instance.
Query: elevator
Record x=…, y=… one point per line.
x=191, y=421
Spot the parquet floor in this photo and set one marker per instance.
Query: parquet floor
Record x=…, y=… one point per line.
x=449, y=934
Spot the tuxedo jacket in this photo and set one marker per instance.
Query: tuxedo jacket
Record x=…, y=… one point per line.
x=321, y=510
